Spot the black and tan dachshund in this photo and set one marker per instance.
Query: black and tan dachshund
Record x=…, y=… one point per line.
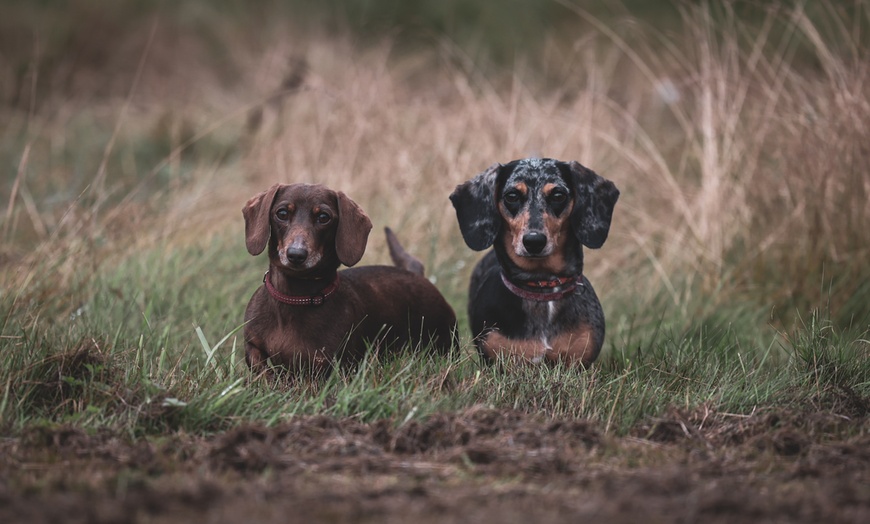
x=528, y=297
x=307, y=314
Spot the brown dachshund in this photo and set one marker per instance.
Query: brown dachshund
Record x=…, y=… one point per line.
x=308, y=315
x=528, y=297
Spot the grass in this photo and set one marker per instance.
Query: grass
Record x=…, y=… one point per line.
x=148, y=374
x=733, y=280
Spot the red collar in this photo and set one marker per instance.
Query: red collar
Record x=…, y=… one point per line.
x=559, y=288
x=301, y=300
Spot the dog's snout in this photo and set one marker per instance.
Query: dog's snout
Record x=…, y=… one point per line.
x=534, y=242
x=296, y=254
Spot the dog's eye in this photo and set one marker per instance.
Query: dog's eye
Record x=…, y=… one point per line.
x=558, y=196
x=282, y=214
x=512, y=197
x=322, y=218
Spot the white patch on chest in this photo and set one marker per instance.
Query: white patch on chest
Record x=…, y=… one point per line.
x=541, y=315
x=546, y=349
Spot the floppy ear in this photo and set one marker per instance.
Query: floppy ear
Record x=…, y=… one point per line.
x=593, y=205
x=476, y=210
x=353, y=231
x=257, y=225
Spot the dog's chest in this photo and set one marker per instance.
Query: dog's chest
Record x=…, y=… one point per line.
x=307, y=332
x=544, y=318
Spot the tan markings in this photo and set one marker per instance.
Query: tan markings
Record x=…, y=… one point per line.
x=496, y=345
x=513, y=236
x=577, y=347
x=558, y=228
x=516, y=225
x=551, y=264
x=290, y=207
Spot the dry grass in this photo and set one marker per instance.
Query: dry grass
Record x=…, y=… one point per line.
x=742, y=169
x=740, y=147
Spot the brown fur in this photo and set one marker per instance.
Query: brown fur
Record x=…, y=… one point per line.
x=385, y=308
x=577, y=346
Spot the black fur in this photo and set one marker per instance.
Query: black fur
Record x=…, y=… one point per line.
x=595, y=198
x=475, y=208
x=492, y=306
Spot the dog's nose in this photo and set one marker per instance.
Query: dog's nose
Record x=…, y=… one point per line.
x=534, y=242
x=296, y=255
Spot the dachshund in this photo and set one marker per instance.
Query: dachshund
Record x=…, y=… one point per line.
x=309, y=315
x=528, y=297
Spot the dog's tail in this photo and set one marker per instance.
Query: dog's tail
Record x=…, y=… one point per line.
x=402, y=258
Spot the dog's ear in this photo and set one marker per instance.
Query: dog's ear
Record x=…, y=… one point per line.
x=476, y=209
x=353, y=230
x=257, y=224
x=594, y=200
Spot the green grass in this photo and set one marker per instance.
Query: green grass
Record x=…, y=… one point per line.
x=733, y=280
x=154, y=345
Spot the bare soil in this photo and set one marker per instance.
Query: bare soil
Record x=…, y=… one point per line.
x=480, y=465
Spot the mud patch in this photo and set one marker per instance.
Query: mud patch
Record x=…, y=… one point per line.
x=479, y=465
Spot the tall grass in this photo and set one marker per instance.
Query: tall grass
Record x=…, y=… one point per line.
x=739, y=146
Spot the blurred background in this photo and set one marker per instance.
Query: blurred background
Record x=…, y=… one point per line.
x=134, y=131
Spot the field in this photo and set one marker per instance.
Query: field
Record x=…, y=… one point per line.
x=734, y=384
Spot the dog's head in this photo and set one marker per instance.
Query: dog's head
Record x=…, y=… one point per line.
x=307, y=227
x=534, y=209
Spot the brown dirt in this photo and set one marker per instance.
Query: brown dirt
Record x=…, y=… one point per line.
x=479, y=465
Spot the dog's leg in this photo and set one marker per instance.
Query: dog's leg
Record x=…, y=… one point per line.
x=495, y=345
x=577, y=347
x=257, y=360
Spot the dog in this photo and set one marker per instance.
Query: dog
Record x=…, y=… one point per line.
x=528, y=297
x=307, y=314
